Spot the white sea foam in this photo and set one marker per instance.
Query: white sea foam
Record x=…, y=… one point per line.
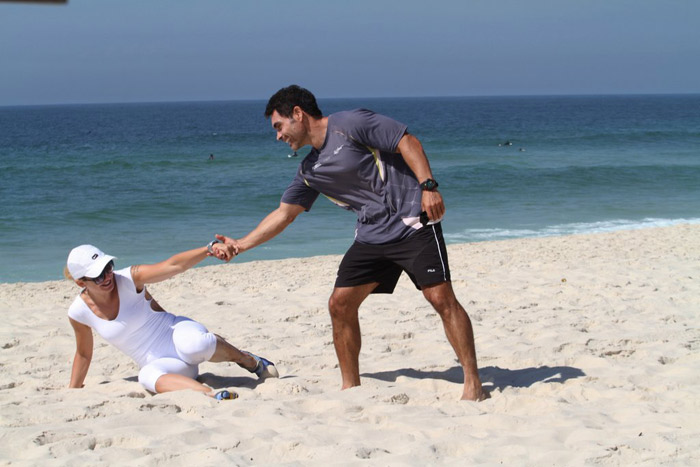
x=478, y=235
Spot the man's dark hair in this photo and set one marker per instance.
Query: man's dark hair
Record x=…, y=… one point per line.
x=284, y=101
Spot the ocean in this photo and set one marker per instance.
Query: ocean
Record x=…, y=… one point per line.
x=137, y=180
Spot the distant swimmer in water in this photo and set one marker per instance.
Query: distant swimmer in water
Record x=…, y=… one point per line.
x=293, y=155
x=211, y=157
x=507, y=143
x=521, y=149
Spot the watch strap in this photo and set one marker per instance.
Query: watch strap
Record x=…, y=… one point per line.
x=210, y=245
x=429, y=185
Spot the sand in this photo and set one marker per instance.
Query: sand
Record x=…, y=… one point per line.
x=589, y=344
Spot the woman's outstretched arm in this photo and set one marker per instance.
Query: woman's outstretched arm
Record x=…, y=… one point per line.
x=150, y=273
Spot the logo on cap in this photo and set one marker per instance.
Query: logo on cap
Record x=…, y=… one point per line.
x=95, y=256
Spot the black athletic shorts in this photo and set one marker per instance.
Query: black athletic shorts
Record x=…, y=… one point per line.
x=422, y=255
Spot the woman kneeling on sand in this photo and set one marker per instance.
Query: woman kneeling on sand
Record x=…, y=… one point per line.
x=167, y=348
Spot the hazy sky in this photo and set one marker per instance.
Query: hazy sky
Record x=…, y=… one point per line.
x=175, y=50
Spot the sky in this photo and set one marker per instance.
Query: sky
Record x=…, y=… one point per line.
x=99, y=51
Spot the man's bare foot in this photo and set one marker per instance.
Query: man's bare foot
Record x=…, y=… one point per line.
x=479, y=395
x=349, y=386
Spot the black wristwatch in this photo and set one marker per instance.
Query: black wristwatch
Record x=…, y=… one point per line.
x=429, y=185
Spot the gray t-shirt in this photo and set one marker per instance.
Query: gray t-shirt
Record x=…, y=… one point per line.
x=358, y=169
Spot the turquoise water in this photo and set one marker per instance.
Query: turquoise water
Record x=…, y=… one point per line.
x=135, y=179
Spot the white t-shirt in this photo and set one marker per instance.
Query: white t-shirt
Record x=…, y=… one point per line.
x=140, y=332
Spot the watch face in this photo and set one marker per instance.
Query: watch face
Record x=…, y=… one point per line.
x=428, y=184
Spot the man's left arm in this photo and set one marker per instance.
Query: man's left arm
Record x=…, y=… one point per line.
x=412, y=152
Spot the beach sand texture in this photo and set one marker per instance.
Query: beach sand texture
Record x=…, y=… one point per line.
x=590, y=345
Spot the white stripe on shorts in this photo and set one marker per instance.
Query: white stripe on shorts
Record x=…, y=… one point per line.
x=442, y=261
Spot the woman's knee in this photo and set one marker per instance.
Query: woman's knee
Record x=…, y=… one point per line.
x=148, y=375
x=193, y=343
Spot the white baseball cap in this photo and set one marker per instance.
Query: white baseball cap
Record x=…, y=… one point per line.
x=87, y=261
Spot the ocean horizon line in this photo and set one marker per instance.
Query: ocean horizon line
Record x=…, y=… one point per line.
x=350, y=98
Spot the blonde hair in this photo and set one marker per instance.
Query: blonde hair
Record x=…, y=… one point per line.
x=67, y=274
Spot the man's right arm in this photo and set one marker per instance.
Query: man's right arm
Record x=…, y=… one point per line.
x=272, y=225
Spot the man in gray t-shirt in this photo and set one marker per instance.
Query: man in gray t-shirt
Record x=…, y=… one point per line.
x=358, y=169
x=370, y=164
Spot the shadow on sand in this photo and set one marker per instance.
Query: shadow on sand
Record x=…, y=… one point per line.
x=492, y=376
x=220, y=382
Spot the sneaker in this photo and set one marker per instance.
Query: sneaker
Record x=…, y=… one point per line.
x=225, y=395
x=264, y=368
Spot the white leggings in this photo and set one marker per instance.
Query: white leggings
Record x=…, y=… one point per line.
x=193, y=345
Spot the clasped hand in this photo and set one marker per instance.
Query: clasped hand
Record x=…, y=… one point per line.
x=223, y=251
x=226, y=250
